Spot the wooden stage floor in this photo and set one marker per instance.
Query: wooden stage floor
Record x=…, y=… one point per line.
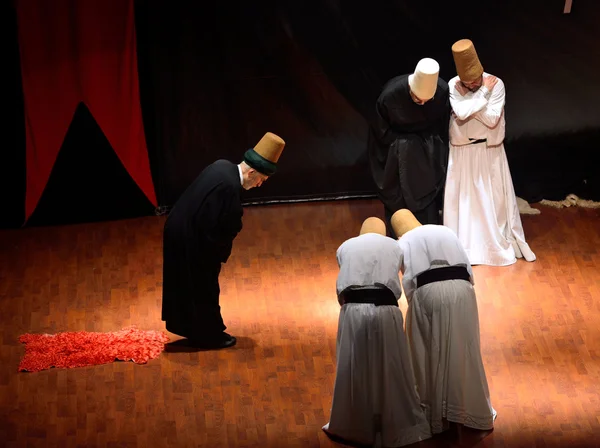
x=540, y=335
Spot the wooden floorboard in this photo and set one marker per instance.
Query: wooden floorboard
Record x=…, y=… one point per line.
x=540, y=335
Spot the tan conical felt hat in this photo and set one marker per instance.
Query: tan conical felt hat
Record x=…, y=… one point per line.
x=467, y=62
x=264, y=156
x=373, y=225
x=270, y=147
x=403, y=221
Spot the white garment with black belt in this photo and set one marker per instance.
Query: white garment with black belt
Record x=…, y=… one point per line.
x=442, y=327
x=375, y=397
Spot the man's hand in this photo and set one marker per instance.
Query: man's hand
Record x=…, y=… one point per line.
x=461, y=89
x=490, y=82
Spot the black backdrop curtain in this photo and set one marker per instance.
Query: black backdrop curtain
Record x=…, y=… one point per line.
x=214, y=76
x=224, y=73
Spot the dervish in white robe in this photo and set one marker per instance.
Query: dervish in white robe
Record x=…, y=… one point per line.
x=442, y=325
x=480, y=204
x=375, y=399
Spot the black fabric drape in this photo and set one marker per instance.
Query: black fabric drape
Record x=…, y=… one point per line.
x=225, y=73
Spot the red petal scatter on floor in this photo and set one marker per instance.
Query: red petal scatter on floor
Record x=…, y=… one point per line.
x=82, y=348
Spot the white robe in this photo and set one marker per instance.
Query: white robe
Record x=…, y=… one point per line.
x=480, y=205
x=375, y=398
x=442, y=326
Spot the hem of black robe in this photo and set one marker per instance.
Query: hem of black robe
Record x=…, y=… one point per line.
x=194, y=333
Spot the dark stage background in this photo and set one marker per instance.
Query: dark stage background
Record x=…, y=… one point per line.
x=214, y=76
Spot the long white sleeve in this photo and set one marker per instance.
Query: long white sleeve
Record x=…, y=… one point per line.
x=464, y=107
x=491, y=113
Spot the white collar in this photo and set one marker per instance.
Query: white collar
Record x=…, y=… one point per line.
x=241, y=175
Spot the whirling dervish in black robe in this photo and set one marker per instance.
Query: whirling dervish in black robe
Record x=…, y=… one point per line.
x=198, y=238
x=408, y=143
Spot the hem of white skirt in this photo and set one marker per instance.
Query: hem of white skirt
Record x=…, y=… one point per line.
x=460, y=416
x=413, y=434
x=498, y=259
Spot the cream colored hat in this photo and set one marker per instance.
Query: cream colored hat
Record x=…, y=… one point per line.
x=423, y=82
x=264, y=156
x=403, y=221
x=467, y=63
x=373, y=225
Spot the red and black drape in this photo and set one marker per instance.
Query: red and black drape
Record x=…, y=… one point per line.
x=80, y=51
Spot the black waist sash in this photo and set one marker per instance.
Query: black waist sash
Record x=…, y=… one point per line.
x=474, y=141
x=377, y=295
x=441, y=274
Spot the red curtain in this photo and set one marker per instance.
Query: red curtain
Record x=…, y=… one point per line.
x=76, y=51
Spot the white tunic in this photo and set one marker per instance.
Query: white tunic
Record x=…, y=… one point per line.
x=480, y=205
x=368, y=259
x=442, y=326
x=374, y=398
x=426, y=247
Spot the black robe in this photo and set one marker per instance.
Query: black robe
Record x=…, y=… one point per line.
x=408, y=150
x=198, y=237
